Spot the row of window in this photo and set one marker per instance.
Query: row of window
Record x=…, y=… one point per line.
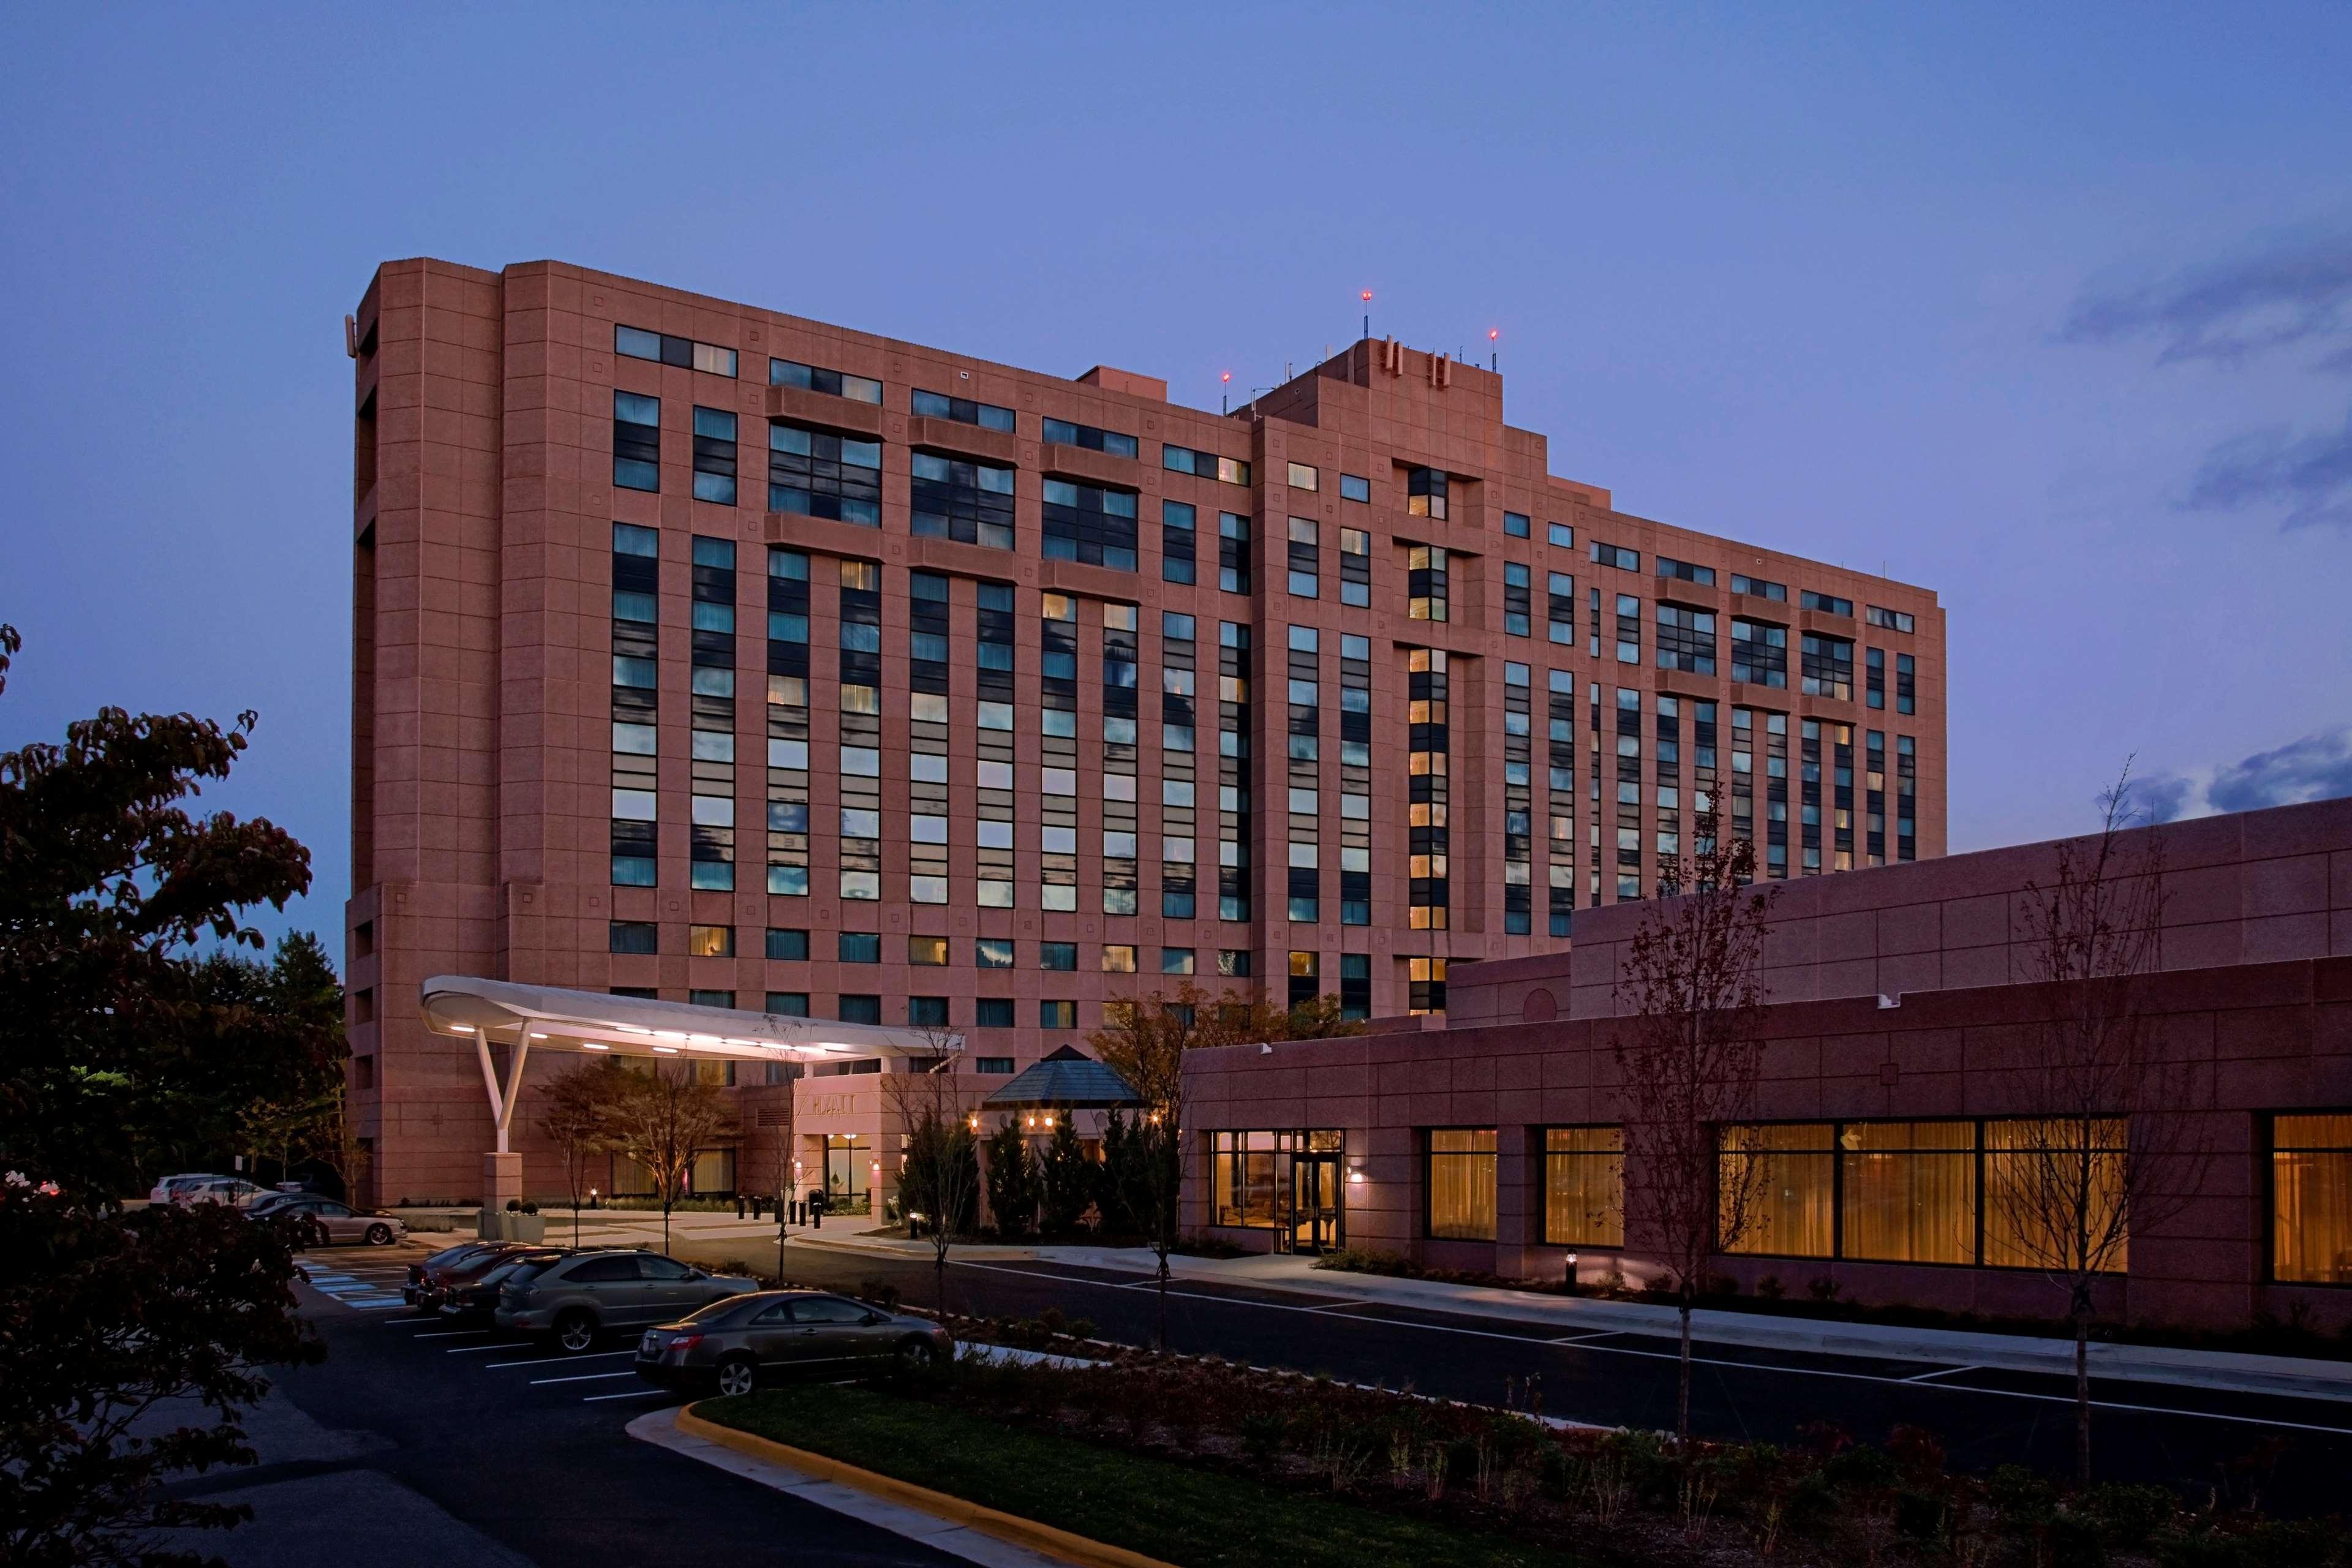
x=1941, y=1192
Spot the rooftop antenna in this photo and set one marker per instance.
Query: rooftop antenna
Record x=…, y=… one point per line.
x=1225, y=397
x=1367, y=298
x=1494, y=356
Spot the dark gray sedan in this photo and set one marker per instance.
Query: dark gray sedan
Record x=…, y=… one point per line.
x=731, y=1345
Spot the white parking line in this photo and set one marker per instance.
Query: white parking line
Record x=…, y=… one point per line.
x=582, y=1377
x=544, y=1360
x=1704, y=1360
x=477, y=1350
x=1942, y=1372
x=632, y=1394
x=453, y=1333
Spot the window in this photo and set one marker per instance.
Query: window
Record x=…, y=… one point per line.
x=1828, y=604
x=992, y=1012
x=928, y=951
x=1234, y=964
x=788, y=1004
x=1176, y=961
x=1090, y=524
x=1062, y=432
x=820, y=475
x=1874, y=680
x=1355, y=567
x=2311, y=1199
x=1684, y=572
x=1559, y=535
x=994, y=1067
x=1355, y=487
x=632, y=936
x=1459, y=1176
x=792, y=373
x=2022, y=1155
x=1629, y=629
x=858, y=946
x=1584, y=1186
x=713, y=999
x=714, y=456
x=1205, y=465
x=1685, y=640
x=1057, y=1015
x=927, y=1012
x=1425, y=493
x=787, y=944
x=1907, y=1191
x=1233, y=552
x=1612, y=555
x=1760, y=653
x=1757, y=588
x=1179, y=541
x=1305, y=558
x=1516, y=525
x=663, y=349
x=1117, y=958
x=1355, y=986
x=637, y=441
x=952, y=498
x=963, y=410
x=1303, y=476
x=992, y=952
x=1057, y=956
x=1560, y=608
x=1519, y=599
x=1906, y=684
x=858, y=1009
x=1791, y=1202
x=1893, y=620
x=1827, y=667
x=710, y=941
x=1425, y=583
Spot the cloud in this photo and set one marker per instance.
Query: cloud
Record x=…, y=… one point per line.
x=2312, y=475
x=2316, y=767
x=2297, y=291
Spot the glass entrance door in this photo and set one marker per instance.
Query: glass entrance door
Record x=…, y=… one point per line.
x=1314, y=1203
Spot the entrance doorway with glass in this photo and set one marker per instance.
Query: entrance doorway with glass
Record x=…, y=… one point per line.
x=1287, y=1182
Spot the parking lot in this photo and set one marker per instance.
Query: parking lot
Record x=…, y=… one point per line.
x=420, y=1440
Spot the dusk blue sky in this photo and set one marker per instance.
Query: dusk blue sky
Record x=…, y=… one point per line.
x=2048, y=308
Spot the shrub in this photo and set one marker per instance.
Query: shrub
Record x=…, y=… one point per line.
x=1262, y=1431
x=2128, y=1514
x=1082, y=1328
x=1822, y=1288
x=1770, y=1288
x=514, y=1206
x=1052, y=1320
x=2292, y=1544
x=529, y=1208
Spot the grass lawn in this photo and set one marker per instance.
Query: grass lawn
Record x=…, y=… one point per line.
x=1195, y=1518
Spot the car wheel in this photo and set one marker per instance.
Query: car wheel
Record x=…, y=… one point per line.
x=737, y=1374
x=379, y=1235
x=918, y=1356
x=575, y=1332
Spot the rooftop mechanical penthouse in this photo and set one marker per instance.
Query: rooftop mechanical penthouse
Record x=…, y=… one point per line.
x=713, y=655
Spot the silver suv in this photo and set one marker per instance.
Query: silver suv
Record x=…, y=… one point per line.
x=578, y=1298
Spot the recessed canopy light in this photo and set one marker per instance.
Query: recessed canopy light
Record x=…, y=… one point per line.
x=665, y=1051
x=594, y=1046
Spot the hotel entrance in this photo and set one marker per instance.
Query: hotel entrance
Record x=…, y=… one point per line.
x=1285, y=1181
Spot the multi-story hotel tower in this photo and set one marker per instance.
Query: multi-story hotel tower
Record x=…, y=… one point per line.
x=709, y=653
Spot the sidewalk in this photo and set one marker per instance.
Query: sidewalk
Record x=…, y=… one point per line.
x=2226, y=1369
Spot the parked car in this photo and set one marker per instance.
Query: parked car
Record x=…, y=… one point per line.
x=166, y=1185
x=579, y=1298
x=433, y=1279
x=479, y=1296
x=233, y=1190
x=731, y=1345
x=339, y=1222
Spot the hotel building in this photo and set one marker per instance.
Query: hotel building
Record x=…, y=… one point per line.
x=712, y=655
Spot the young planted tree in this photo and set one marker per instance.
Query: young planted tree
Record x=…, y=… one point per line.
x=1066, y=1175
x=2116, y=1144
x=118, y=1061
x=939, y=1175
x=579, y=1110
x=667, y=1118
x=1688, y=1055
x=1011, y=1182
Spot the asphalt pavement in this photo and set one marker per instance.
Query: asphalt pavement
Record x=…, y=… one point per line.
x=418, y=1442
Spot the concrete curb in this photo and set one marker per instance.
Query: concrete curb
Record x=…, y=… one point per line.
x=1023, y=1532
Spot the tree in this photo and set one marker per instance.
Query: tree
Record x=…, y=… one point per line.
x=1688, y=1059
x=1145, y=1039
x=298, y=989
x=334, y=1142
x=118, y=1062
x=2116, y=1144
x=578, y=1110
x=665, y=1119
x=1066, y=1175
x=939, y=1174
x=1011, y=1182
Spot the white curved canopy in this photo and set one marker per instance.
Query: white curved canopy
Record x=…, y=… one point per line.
x=545, y=1018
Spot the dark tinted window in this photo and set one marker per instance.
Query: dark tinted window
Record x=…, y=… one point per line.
x=602, y=1270
x=827, y=1310
x=651, y=1266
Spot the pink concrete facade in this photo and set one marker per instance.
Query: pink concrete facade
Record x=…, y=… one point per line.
x=1897, y=993
x=486, y=769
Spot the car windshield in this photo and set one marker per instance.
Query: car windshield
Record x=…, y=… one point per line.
x=527, y=1271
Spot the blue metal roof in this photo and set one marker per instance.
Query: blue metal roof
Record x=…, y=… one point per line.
x=1067, y=1079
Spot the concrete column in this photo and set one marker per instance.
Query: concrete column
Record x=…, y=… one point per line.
x=501, y=1179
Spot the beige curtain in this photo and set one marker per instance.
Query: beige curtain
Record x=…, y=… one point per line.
x=1584, y=1186
x=1910, y=1191
x=2311, y=1200
x=1462, y=1183
x=1790, y=1209
x=2032, y=1170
